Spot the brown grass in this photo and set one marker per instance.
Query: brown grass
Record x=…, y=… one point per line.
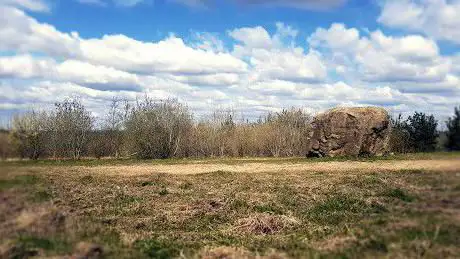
x=243, y=210
x=265, y=224
x=346, y=166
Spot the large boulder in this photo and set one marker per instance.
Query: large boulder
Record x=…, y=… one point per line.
x=350, y=132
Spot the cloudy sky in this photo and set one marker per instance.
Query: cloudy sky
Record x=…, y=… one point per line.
x=253, y=56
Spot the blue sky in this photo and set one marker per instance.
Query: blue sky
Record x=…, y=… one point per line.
x=250, y=56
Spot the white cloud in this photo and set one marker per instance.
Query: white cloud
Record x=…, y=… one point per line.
x=382, y=58
x=32, y=5
x=128, y=3
x=120, y=3
x=207, y=41
x=25, y=66
x=435, y=18
x=272, y=58
x=256, y=72
x=301, y=4
x=253, y=37
x=221, y=79
x=22, y=33
x=93, y=2
x=169, y=55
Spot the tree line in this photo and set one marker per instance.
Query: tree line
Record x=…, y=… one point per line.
x=149, y=129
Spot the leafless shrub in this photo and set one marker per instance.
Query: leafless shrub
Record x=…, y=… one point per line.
x=99, y=145
x=27, y=134
x=279, y=134
x=286, y=133
x=70, y=126
x=114, y=125
x=157, y=129
x=6, y=147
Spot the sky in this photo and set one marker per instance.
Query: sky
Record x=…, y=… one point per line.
x=250, y=56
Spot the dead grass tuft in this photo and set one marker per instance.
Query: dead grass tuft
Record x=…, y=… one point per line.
x=41, y=220
x=336, y=243
x=225, y=252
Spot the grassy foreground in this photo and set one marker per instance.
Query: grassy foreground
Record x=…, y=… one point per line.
x=54, y=210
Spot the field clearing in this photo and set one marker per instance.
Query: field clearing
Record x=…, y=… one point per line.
x=232, y=208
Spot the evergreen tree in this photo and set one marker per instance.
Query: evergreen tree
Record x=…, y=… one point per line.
x=422, y=132
x=453, y=131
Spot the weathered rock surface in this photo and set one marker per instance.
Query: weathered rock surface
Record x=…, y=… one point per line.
x=350, y=132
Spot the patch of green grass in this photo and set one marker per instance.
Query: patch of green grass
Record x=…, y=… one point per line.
x=159, y=249
x=41, y=196
x=442, y=234
x=19, y=181
x=206, y=221
x=338, y=209
x=36, y=242
x=51, y=245
x=399, y=193
x=376, y=245
x=288, y=196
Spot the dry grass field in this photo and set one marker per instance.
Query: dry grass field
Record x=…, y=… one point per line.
x=405, y=206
